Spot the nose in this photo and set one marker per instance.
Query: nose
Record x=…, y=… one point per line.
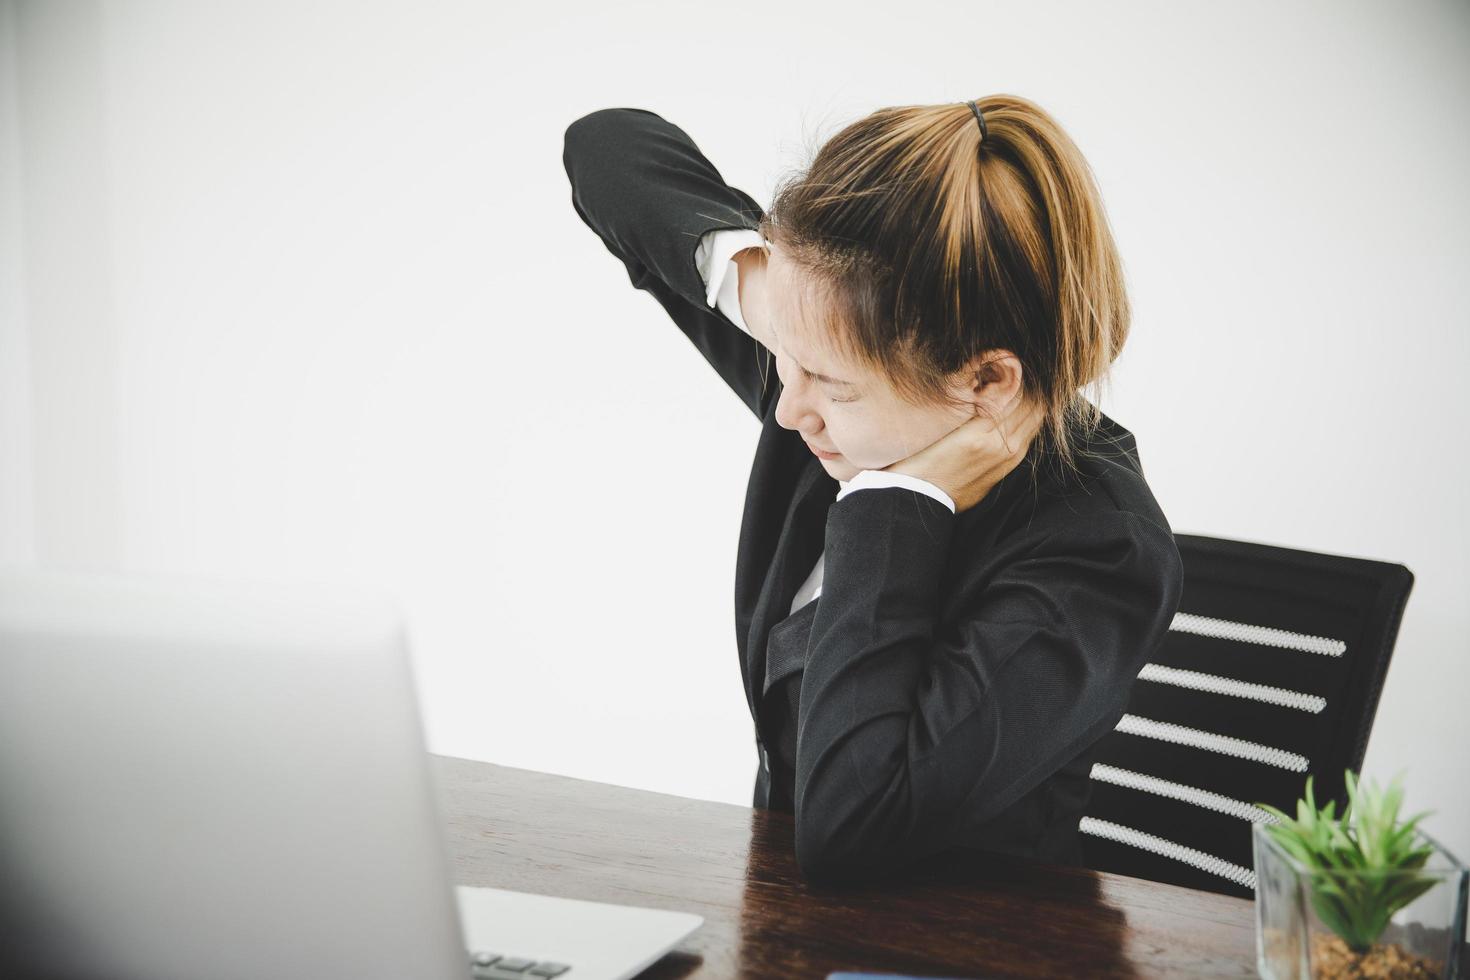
x=794, y=411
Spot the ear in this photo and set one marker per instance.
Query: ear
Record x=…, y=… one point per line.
x=991, y=381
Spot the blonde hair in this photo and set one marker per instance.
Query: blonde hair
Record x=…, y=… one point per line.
x=928, y=246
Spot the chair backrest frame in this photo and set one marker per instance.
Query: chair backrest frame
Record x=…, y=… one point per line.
x=1272, y=671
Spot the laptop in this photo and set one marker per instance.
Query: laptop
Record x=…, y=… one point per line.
x=204, y=778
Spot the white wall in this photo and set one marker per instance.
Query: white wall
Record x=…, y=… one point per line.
x=297, y=290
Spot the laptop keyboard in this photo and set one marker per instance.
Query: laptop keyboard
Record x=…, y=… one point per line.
x=493, y=966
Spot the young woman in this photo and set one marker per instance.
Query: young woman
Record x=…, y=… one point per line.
x=951, y=568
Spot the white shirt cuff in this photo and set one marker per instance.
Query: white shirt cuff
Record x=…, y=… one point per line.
x=720, y=272
x=873, y=479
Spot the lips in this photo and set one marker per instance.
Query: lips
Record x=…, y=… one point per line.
x=818, y=449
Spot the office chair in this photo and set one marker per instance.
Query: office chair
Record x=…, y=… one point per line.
x=1270, y=671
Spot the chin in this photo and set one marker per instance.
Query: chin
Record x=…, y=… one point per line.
x=839, y=469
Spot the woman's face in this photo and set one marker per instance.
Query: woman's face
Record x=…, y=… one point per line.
x=838, y=406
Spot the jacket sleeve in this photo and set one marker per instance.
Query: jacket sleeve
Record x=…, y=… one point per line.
x=648, y=192
x=910, y=735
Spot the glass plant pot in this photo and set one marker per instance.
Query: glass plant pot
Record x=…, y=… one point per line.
x=1296, y=908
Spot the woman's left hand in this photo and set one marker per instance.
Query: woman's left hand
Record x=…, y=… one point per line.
x=969, y=461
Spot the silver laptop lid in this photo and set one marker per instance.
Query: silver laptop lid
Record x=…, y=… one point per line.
x=211, y=779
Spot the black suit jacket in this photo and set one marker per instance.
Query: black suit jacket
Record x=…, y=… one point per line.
x=948, y=686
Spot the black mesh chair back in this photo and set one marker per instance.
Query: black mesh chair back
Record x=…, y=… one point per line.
x=1270, y=672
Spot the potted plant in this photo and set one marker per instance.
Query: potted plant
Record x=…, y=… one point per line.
x=1362, y=895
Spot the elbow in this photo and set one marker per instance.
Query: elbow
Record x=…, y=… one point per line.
x=596, y=133
x=582, y=137
x=826, y=855
x=821, y=862
x=585, y=138
x=857, y=838
x=596, y=155
x=827, y=818
x=848, y=833
x=584, y=128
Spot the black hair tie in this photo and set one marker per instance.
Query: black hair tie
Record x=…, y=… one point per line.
x=978, y=118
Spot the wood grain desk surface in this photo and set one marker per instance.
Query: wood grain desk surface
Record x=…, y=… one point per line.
x=735, y=865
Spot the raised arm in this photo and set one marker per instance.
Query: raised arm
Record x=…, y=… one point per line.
x=651, y=195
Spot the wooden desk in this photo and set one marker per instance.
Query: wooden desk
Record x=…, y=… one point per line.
x=734, y=865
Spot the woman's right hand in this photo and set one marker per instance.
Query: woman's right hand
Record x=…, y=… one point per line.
x=751, y=263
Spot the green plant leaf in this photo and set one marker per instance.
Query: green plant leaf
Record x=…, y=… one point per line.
x=1362, y=863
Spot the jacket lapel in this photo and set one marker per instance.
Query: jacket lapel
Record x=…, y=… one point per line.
x=803, y=535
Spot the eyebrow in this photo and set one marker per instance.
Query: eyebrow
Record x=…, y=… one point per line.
x=823, y=377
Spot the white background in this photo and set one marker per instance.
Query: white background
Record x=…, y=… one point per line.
x=297, y=290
